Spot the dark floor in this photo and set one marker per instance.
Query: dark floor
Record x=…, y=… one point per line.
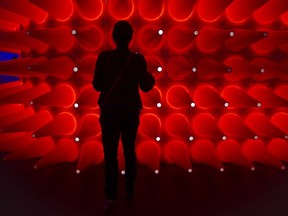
x=58, y=191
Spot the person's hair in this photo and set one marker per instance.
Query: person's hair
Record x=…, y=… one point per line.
x=122, y=32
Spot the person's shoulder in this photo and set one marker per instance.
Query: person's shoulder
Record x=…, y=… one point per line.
x=106, y=53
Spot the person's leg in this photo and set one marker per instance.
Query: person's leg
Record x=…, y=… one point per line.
x=128, y=134
x=110, y=140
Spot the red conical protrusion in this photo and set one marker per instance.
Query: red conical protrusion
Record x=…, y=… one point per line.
x=60, y=38
x=62, y=12
x=211, y=10
x=232, y=125
x=207, y=97
x=30, y=123
x=270, y=11
x=65, y=150
x=241, y=68
x=177, y=125
x=180, y=38
x=7, y=109
x=121, y=160
x=154, y=66
x=63, y=124
x=177, y=152
x=88, y=98
x=237, y=97
x=151, y=10
x=203, y=151
x=229, y=151
x=25, y=96
x=255, y=150
x=152, y=98
x=240, y=10
x=62, y=95
x=181, y=10
x=90, y=38
x=149, y=38
x=90, y=9
x=11, y=142
x=21, y=39
x=269, y=69
x=150, y=125
x=85, y=68
x=243, y=38
x=271, y=42
x=121, y=9
x=261, y=125
x=38, y=148
x=210, y=39
x=282, y=91
x=61, y=67
x=279, y=149
x=178, y=97
x=179, y=68
x=148, y=153
x=266, y=97
x=11, y=118
x=280, y=120
x=204, y=124
x=91, y=153
x=89, y=126
x=24, y=8
x=13, y=17
x=208, y=68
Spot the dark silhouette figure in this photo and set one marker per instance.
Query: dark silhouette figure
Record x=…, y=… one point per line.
x=118, y=75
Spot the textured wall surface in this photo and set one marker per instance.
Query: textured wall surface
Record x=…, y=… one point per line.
x=221, y=71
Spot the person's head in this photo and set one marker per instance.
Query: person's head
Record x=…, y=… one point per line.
x=122, y=33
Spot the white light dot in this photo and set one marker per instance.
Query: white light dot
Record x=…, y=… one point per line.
x=229, y=70
x=286, y=137
x=232, y=34
x=78, y=171
x=159, y=105
x=27, y=32
x=262, y=70
x=123, y=172
x=73, y=32
x=190, y=170
x=77, y=139
x=159, y=69
x=265, y=34
x=160, y=32
x=196, y=32
x=256, y=137
x=76, y=105
x=226, y=104
x=156, y=171
x=75, y=69
x=253, y=168
x=283, y=167
x=33, y=135
x=31, y=102
x=158, y=139
x=259, y=104
x=224, y=138
x=194, y=69
x=191, y=138
x=222, y=169
x=192, y=104
x=29, y=68
x=35, y=167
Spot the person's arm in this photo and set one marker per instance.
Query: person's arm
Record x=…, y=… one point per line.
x=147, y=81
x=98, y=74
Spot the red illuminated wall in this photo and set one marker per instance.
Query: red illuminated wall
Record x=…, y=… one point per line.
x=221, y=91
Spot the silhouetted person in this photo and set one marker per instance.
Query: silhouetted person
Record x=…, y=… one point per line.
x=118, y=75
